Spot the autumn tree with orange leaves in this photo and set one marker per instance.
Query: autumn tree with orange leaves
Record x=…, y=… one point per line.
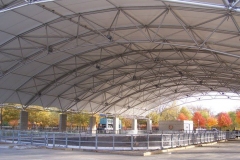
x=211, y=121
x=182, y=117
x=198, y=120
x=13, y=123
x=238, y=117
x=224, y=120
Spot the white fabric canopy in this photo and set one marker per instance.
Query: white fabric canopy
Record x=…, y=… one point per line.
x=123, y=57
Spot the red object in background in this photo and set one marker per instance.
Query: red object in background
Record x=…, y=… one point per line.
x=198, y=120
x=224, y=120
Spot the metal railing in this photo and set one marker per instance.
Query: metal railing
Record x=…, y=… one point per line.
x=84, y=140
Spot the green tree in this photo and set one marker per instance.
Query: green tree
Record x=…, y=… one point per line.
x=142, y=121
x=205, y=113
x=10, y=114
x=78, y=119
x=169, y=113
x=126, y=123
x=233, y=117
x=238, y=117
x=38, y=116
x=155, y=117
x=186, y=112
x=54, y=119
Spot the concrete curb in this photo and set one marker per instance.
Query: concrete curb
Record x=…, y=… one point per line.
x=5, y=147
x=167, y=150
x=179, y=148
x=207, y=144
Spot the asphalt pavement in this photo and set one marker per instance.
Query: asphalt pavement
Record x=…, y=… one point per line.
x=229, y=150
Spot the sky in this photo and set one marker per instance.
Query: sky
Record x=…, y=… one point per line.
x=215, y=101
x=217, y=105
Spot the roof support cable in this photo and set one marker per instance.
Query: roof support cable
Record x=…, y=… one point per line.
x=226, y=3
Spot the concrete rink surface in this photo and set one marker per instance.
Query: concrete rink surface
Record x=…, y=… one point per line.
x=224, y=150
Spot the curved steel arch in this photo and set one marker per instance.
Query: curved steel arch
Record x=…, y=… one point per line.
x=166, y=95
x=109, y=79
x=87, y=65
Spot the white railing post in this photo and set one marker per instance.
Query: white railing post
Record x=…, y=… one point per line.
x=79, y=141
x=204, y=137
x=47, y=140
x=161, y=141
x=201, y=138
x=1, y=135
x=131, y=142
x=31, y=138
x=53, y=139
x=193, y=136
x=96, y=141
x=19, y=138
x=113, y=141
x=12, y=136
x=66, y=140
x=178, y=139
x=172, y=140
x=208, y=137
x=147, y=141
x=45, y=137
x=183, y=139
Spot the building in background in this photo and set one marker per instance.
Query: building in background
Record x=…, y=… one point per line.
x=176, y=125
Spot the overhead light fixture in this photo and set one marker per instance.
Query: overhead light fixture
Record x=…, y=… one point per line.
x=201, y=82
x=109, y=37
x=134, y=77
x=98, y=67
x=211, y=88
x=50, y=49
x=106, y=104
x=77, y=100
x=175, y=91
x=180, y=72
x=156, y=59
x=157, y=86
